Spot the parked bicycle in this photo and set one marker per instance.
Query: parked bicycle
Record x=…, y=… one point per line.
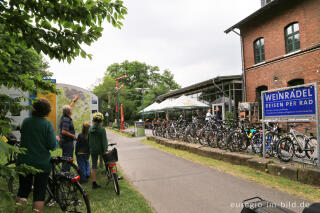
x=297, y=144
x=110, y=158
x=64, y=187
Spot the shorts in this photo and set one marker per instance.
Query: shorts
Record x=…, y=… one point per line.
x=40, y=181
x=94, y=160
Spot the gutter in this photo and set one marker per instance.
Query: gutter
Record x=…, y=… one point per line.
x=244, y=94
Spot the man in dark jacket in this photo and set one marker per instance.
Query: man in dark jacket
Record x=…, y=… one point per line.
x=67, y=131
x=98, y=144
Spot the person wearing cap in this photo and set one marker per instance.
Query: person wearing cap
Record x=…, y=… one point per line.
x=98, y=144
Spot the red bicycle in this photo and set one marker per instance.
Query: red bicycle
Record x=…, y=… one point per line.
x=110, y=158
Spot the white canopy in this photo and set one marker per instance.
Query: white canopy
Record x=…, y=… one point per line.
x=185, y=102
x=150, y=108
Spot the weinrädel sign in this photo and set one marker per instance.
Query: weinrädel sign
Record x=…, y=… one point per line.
x=290, y=103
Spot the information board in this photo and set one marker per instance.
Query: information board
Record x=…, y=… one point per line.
x=291, y=103
x=52, y=98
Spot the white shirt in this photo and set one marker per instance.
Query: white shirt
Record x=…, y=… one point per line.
x=208, y=116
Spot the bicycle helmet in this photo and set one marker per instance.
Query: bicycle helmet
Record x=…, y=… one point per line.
x=98, y=117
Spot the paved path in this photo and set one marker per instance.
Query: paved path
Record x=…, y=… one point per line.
x=173, y=184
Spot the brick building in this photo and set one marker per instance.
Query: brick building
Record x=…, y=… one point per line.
x=280, y=45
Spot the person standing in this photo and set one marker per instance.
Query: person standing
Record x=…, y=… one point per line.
x=37, y=137
x=67, y=131
x=218, y=114
x=98, y=144
x=208, y=115
x=82, y=153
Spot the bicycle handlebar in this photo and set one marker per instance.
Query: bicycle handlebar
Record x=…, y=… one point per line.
x=112, y=144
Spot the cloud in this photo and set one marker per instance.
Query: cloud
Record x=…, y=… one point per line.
x=187, y=37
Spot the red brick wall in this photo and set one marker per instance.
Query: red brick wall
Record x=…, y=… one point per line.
x=271, y=27
x=305, y=66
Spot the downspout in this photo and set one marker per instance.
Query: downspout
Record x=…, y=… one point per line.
x=244, y=95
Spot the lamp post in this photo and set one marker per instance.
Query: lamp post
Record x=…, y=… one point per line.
x=117, y=92
x=142, y=89
x=107, y=115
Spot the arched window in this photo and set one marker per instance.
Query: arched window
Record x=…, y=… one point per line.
x=258, y=47
x=295, y=82
x=292, y=37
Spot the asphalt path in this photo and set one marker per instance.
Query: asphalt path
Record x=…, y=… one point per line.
x=173, y=184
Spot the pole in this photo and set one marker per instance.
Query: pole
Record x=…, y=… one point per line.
x=122, y=118
x=118, y=115
x=142, y=106
x=263, y=127
x=317, y=123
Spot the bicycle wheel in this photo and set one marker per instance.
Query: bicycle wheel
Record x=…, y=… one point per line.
x=202, y=138
x=71, y=197
x=285, y=149
x=221, y=140
x=299, y=147
x=115, y=183
x=312, y=148
x=232, y=141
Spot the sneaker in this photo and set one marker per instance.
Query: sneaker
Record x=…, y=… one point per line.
x=96, y=186
x=51, y=203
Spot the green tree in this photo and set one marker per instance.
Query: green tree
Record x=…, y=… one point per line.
x=139, y=75
x=54, y=28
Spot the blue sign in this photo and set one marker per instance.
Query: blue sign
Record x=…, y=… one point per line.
x=290, y=102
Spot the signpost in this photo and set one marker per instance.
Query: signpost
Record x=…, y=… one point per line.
x=291, y=104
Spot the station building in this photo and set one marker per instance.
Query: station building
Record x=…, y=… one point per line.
x=280, y=45
x=224, y=92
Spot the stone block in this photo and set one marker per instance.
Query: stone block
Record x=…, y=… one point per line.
x=236, y=158
x=283, y=170
x=309, y=176
x=258, y=163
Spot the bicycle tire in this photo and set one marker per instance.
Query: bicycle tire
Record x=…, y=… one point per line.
x=220, y=140
x=202, y=137
x=285, y=145
x=70, y=196
x=312, y=143
x=232, y=141
x=116, y=183
x=299, y=151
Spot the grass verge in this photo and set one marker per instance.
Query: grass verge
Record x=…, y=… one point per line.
x=103, y=199
x=120, y=132
x=295, y=188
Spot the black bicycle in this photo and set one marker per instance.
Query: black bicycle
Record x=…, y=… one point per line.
x=64, y=187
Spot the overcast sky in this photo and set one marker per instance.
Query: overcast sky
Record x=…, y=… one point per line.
x=185, y=36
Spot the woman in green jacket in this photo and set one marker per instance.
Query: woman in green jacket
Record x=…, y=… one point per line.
x=37, y=137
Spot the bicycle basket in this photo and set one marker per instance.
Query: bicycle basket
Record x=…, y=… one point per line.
x=110, y=156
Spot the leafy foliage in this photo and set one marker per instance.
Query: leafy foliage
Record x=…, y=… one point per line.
x=54, y=28
x=57, y=28
x=139, y=75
